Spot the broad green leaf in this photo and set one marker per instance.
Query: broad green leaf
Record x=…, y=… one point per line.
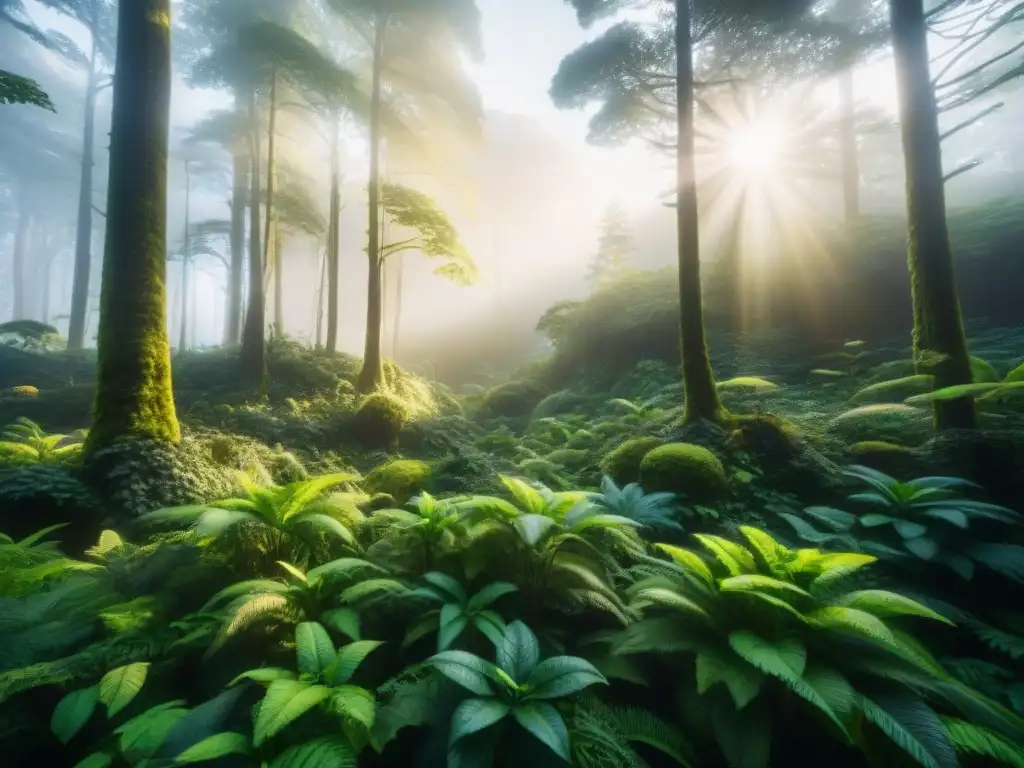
x=924, y=547
x=882, y=603
x=532, y=528
x=562, y=676
x=489, y=594
x=474, y=715
x=294, y=572
x=951, y=516
x=909, y=530
x=119, y=686
x=354, y=704
x=264, y=675
x=323, y=752
x=518, y=652
x=284, y=702
x=73, y=712
x=448, y=632
x=543, y=721
x=471, y=672
x=490, y=625
x=212, y=747
x=874, y=520
x=213, y=522
x=324, y=523
x=144, y=734
x=96, y=760
x=755, y=581
x=313, y=647
x=446, y=583
x=528, y=496
x=349, y=658
x=344, y=620
x=718, y=665
x=690, y=561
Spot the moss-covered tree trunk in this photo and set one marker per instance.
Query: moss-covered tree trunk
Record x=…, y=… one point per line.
x=334, y=238
x=253, y=353
x=239, y=170
x=83, y=232
x=939, y=341
x=698, y=381
x=133, y=377
x=372, y=374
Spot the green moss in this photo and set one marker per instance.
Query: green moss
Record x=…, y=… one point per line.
x=686, y=469
x=514, y=398
x=379, y=419
x=623, y=462
x=747, y=384
x=889, y=422
x=895, y=390
x=401, y=478
x=568, y=457
x=23, y=392
x=381, y=501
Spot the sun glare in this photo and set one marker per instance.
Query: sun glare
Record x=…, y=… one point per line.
x=757, y=149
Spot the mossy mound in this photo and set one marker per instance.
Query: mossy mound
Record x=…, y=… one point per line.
x=889, y=422
x=623, y=462
x=894, y=389
x=379, y=419
x=514, y=399
x=684, y=468
x=399, y=478
x=893, y=459
x=747, y=385
x=569, y=457
x=34, y=497
x=557, y=403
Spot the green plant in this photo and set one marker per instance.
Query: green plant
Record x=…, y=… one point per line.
x=25, y=442
x=458, y=610
x=652, y=510
x=684, y=468
x=762, y=621
x=925, y=518
x=520, y=686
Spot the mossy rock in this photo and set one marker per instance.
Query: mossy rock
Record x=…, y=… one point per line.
x=400, y=478
x=684, y=468
x=623, y=462
x=569, y=457
x=381, y=501
x=747, y=385
x=379, y=419
x=893, y=459
x=513, y=399
x=889, y=422
x=895, y=389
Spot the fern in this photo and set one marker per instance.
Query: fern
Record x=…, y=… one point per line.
x=970, y=739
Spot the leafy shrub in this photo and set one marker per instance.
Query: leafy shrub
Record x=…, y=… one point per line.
x=684, y=468
x=623, y=462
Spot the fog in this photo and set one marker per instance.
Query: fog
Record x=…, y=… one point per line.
x=527, y=195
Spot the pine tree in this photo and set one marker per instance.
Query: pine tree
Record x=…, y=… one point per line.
x=615, y=248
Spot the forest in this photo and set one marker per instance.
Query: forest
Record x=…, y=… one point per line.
x=358, y=410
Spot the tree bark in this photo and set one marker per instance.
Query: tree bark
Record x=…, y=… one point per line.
x=940, y=346
x=702, y=400
x=133, y=379
x=240, y=169
x=372, y=374
x=83, y=233
x=253, y=353
x=278, y=281
x=848, y=149
x=334, y=240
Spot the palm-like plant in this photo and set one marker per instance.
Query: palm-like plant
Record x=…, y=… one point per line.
x=279, y=521
x=762, y=618
x=328, y=593
x=653, y=510
x=921, y=520
x=414, y=540
x=24, y=441
x=458, y=610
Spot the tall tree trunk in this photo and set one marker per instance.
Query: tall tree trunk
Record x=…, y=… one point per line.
x=83, y=233
x=278, y=281
x=253, y=354
x=397, y=321
x=372, y=374
x=21, y=245
x=133, y=378
x=240, y=169
x=848, y=148
x=322, y=261
x=698, y=381
x=940, y=346
x=186, y=257
x=334, y=239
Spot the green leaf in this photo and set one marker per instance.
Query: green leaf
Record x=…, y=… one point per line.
x=344, y=620
x=543, y=721
x=471, y=672
x=562, y=676
x=874, y=520
x=449, y=631
x=924, y=547
x=144, y=734
x=717, y=665
x=879, y=602
x=447, y=584
x=951, y=516
x=474, y=715
x=213, y=522
x=264, y=675
x=354, y=704
x=909, y=530
x=313, y=648
x=73, y=712
x=284, y=702
x=755, y=581
x=489, y=594
x=518, y=652
x=323, y=752
x=490, y=625
x=532, y=528
x=349, y=658
x=96, y=760
x=119, y=686
x=212, y=747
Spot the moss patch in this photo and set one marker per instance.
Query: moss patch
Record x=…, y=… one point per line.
x=400, y=478
x=686, y=469
x=379, y=419
x=623, y=463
